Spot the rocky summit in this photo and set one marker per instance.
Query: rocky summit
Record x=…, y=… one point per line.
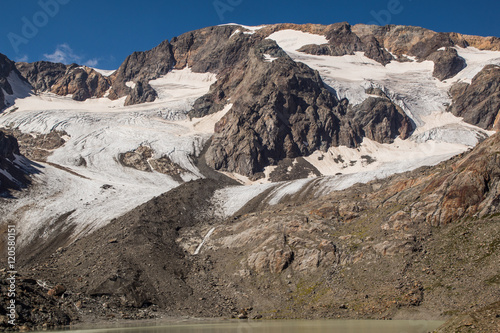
x=278, y=171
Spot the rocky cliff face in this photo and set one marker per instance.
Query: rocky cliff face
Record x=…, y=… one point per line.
x=60, y=79
x=447, y=63
x=12, y=175
x=479, y=102
x=7, y=67
x=426, y=45
x=281, y=109
x=378, y=119
x=392, y=43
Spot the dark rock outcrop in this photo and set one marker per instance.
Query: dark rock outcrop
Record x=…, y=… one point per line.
x=211, y=49
x=378, y=119
x=7, y=67
x=8, y=146
x=143, y=159
x=60, y=79
x=37, y=146
x=11, y=175
x=235, y=49
x=447, y=63
x=35, y=309
x=479, y=102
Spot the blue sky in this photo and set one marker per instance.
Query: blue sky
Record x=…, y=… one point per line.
x=102, y=33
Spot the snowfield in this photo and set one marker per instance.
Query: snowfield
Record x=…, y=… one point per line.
x=84, y=197
x=99, y=130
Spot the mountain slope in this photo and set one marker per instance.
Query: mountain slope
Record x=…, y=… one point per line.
x=238, y=82
x=405, y=247
x=264, y=110
x=299, y=114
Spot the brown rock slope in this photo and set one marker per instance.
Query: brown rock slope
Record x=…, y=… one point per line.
x=424, y=244
x=486, y=319
x=81, y=82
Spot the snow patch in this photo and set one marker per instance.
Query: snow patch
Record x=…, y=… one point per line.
x=252, y=29
x=269, y=58
x=130, y=84
x=231, y=199
x=207, y=236
x=286, y=189
x=182, y=84
x=292, y=40
x=104, y=72
x=400, y=156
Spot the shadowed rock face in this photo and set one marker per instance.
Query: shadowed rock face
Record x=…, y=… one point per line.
x=8, y=146
x=447, y=63
x=6, y=67
x=60, y=79
x=11, y=177
x=479, y=102
x=378, y=119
